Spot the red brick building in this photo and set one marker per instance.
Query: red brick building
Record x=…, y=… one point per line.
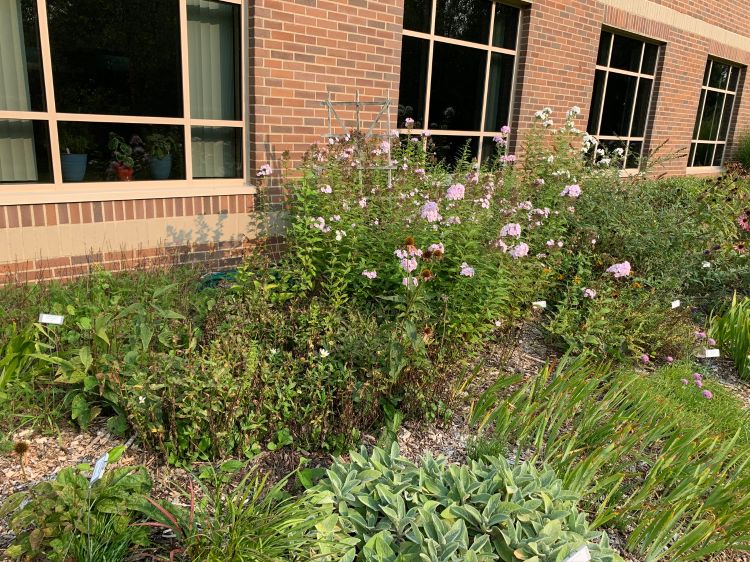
x=189, y=98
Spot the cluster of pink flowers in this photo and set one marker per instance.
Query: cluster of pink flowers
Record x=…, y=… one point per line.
x=370, y=274
x=320, y=224
x=508, y=159
x=326, y=189
x=698, y=380
x=573, y=191
x=467, y=270
x=620, y=269
x=430, y=212
x=701, y=335
x=265, y=170
x=519, y=251
x=744, y=221
x=511, y=229
x=589, y=293
x=409, y=122
x=456, y=192
x=437, y=248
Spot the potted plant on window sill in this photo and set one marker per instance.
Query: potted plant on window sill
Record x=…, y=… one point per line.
x=74, y=157
x=159, y=151
x=122, y=154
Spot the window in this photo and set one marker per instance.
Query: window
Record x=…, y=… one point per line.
x=720, y=83
x=623, y=84
x=457, y=66
x=142, y=90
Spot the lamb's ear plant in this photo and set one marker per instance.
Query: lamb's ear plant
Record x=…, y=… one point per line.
x=383, y=507
x=681, y=495
x=731, y=330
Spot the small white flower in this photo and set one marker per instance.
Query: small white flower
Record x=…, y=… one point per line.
x=273, y=351
x=340, y=235
x=324, y=352
x=141, y=399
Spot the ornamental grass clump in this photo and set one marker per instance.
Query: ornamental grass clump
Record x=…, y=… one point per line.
x=732, y=332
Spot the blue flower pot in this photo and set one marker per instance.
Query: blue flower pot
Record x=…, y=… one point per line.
x=161, y=167
x=74, y=166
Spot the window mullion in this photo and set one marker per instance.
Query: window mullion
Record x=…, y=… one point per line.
x=49, y=91
x=430, y=55
x=702, y=109
x=487, y=70
x=185, y=61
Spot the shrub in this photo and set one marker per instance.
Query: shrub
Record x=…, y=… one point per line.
x=57, y=518
x=386, y=508
x=732, y=332
x=743, y=150
x=675, y=486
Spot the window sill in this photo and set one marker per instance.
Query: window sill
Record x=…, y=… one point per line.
x=705, y=171
x=34, y=194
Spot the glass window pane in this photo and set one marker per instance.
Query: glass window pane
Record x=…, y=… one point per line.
x=726, y=118
x=719, y=155
x=734, y=78
x=457, y=88
x=604, y=44
x=649, y=58
x=448, y=149
x=418, y=15
x=704, y=154
x=505, y=30
x=118, y=58
x=692, y=154
x=214, y=54
x=700, y=112
x=24, y=152
x=626, y=53
x=711, y=115
x=596, y=102
x=618, y=105
x=217, y=152
x=21, y=77
x=464, y=19
x=121, y=152
x=499, y=92
x=413, y=86
x=641, y=108
x=707, y=74
x=633, y=158
x=719, y=75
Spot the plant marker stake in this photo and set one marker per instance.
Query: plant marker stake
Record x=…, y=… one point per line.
x=706, y=264
x=580, y=555
x=55, y=319
x=539, y=304
x=712, y=353
x=99, y=467
x=676, y=304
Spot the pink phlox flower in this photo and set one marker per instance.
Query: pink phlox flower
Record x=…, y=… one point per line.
x=436, y=248
x=407, y=280
x=409, y=264
x=326, y=189
x=409, y=122
x=466, y=270
x=699, y=383
x=502, y=245
x=620, y=269
x=511, y=229
x=453, y=220
x=430, y=212
x=697, y=376
x=265, y=170
x=589, y=293
x=708, y=395
x=508, y=159
x=525, y=205
x=455, y=192
x=520, y=250
x=370, y=274
x=573, y=191
x=505, y=130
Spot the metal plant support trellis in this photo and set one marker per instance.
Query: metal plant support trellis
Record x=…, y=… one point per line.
x=334, y=119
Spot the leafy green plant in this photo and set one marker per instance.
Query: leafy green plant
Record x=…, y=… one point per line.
x=679, y=489
x=248, y=521
x=122, y=152
x=160, y=146
x=732, y=332
x=16, y=359
x=74, y=142
x=743, y=150
x=385, y=508
x=55, y=518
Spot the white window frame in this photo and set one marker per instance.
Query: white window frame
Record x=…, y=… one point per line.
x=608, y=69
x=705, y=88
x=489, y=48
x=59, y=192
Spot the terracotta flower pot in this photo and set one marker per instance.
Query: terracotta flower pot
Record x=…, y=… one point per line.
x=124, y=173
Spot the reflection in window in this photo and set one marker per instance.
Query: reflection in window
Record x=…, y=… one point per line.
x=715, y=112
x=623, y=84
x=121, y=57
x=24, y=151
x=217, y=152
x=450, y=87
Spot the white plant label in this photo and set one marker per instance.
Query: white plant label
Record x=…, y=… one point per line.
x=580, y=555
x=713, y=353
x=676, y=304
x=55, y=319
x=539, y=304
x=706, y=264
x=99, y=467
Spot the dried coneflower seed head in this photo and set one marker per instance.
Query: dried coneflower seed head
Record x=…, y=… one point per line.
x=437, y=254
x=426, y=274
x=427, y=254
x=21, y=448
x=409, y=241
